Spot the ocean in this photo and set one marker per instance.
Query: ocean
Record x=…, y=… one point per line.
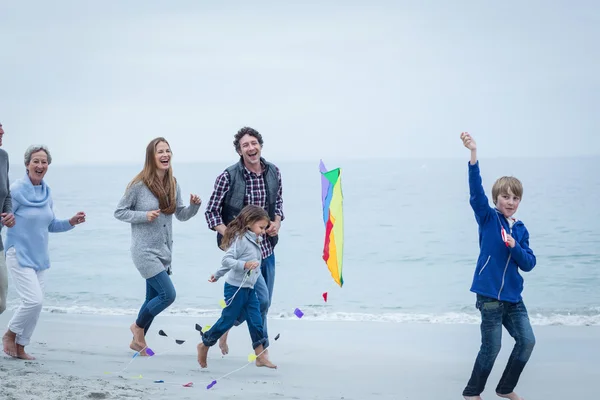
x=409, y=252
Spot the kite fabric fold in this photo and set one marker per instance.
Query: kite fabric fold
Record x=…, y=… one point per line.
x=333, y=217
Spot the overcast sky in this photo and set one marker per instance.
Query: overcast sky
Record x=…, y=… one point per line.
x=97, y=80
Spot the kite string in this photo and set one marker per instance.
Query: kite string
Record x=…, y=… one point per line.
x=179, y=384
x=246, y=275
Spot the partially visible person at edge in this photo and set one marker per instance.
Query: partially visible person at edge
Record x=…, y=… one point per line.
x=26, y=247
x=6, y=219
x=149, y=202
x=504, y=249
x=252, y=180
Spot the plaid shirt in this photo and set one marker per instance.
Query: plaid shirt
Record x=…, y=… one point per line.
x=256, y=194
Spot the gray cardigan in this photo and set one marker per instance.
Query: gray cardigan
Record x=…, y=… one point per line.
x=151, y=242
x=5, y=199
x=244, y=248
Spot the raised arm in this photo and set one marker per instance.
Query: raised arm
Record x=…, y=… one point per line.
x=126, y=211
x=183, y=213
x=478, y=200
x=59, y=225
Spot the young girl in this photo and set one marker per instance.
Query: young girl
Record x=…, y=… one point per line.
x=243, y=256
x=149, y=203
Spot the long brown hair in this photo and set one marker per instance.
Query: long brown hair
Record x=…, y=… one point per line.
x=165, y=190
x=240, y=224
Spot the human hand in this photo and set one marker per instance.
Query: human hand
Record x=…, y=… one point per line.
x=152, y=215
x=510, y=240
x=8, y=219
x=78, y=218
x=195, y=199
x=273, y=228
x=468, y=141
x=212, y=279
x=251, y=265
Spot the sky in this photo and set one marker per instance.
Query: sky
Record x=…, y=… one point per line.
x=97, y=80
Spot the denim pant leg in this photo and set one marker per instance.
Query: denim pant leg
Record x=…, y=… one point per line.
x=491, y=341
x=229, y=313
x=262, y=294
x=254, y=319
x=150, y=294
x=162, y=285
x=516, y=322
x=267, y=268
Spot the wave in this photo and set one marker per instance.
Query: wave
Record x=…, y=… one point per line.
x=585, y=317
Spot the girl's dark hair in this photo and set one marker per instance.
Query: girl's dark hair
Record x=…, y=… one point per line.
x=238, y=227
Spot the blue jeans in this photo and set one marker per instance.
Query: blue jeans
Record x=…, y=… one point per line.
x=514, y=317
x=160, y=294
x=264, y=291
x=244, y=301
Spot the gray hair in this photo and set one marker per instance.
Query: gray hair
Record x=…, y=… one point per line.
x=34, y=149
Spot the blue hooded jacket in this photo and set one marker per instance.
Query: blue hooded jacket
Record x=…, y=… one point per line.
x=497, y=270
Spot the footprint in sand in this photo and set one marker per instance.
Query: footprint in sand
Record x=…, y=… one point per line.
x=97, y=395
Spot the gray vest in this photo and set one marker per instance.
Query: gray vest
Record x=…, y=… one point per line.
x=235, y=197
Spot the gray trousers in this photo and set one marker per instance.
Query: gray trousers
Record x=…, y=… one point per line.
x=3, y=282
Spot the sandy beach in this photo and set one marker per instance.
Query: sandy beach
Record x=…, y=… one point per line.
x=87, y=357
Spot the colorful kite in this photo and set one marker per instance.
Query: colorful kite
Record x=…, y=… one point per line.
x=331, y=195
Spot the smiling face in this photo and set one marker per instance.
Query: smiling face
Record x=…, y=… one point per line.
x=507, y=193
x=162, y=156
x=508, y=203
x=37, y=167
x=250, y=150
x=259, y=227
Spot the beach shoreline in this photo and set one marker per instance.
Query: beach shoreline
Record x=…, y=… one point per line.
x=87, y=357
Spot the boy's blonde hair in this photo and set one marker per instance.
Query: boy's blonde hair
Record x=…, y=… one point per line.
x=502, y=186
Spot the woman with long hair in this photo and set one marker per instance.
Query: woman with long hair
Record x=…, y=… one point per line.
x=149, y=203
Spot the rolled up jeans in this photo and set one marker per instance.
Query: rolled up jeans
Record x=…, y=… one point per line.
x=264, y=291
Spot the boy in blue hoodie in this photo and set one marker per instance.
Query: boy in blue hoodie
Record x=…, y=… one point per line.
x=504, y=250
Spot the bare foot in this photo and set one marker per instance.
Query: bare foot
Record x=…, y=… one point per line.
x=134, y=346
x=472, y=397
x=9, y=343
x=263, y=361
x=22, y=355
x=223, y=344
x=511, y=396
x=202, y=354
x=139, y=341
x=262, y=358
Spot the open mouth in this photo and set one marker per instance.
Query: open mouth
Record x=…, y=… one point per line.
x=165, y=162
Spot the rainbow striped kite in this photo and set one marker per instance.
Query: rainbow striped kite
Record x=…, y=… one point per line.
x=331, y=194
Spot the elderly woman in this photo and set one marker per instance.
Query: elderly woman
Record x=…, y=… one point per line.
x=27, y=247
x=151, y=199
